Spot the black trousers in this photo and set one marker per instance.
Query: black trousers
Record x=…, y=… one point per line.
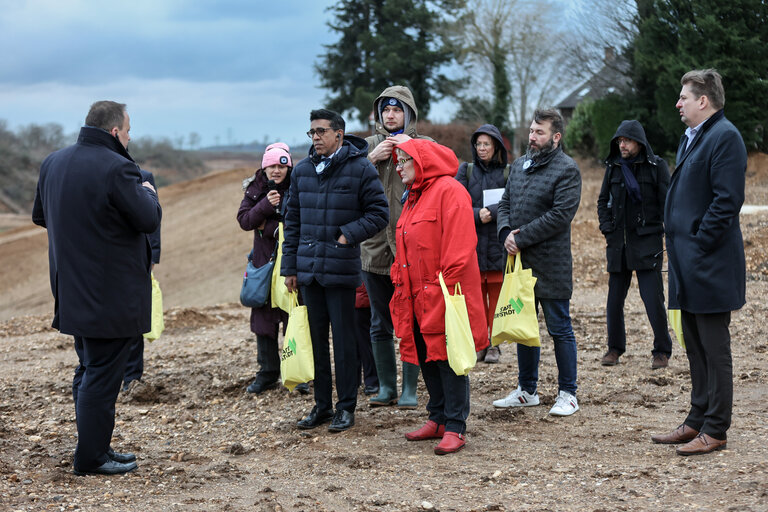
x=708, y=347
x=652, y=293
x=364, y=349
x=94, y=388
x=134, y=368
x=448, y=393
x=334, y=306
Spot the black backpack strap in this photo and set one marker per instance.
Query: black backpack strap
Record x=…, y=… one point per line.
x=470, y=166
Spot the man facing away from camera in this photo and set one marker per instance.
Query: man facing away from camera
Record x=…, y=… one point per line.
x=98, y=211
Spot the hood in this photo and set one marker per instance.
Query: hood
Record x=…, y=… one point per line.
x=431, y=160
x=351, y=147
x=495, y=134
x=631, y=130
x=405, y=96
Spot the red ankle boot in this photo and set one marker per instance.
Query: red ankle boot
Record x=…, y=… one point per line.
x=452, y=442
x=430, y=430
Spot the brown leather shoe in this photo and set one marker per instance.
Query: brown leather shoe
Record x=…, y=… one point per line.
x=681, y=434
x=659, y=361
x=701, y=444
x=611, y=358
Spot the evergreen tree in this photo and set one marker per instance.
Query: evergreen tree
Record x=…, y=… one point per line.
x=676, y=36
x=384, y=43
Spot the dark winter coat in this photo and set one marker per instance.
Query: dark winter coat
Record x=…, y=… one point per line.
x=347, y=197
x=90, y=199
x=377, y=253
x=154, y=237
x=636, y=229
x=254, y=210
x=541, y=202
x=707, y=269
x=490, y=252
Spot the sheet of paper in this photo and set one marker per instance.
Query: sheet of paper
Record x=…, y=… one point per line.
x=492, y=196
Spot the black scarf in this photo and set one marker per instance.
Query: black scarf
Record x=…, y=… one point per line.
x=633, y=188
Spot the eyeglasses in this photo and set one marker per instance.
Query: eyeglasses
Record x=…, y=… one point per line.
x=401, y=162
x=483, y=145
x=320, y=131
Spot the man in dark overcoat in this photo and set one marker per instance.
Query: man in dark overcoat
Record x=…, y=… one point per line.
x=707, y=270
x=98, y=210
x=631, y=212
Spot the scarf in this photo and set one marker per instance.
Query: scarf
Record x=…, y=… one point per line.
x=633, y=188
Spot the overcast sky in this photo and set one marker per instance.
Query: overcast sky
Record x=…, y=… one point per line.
x=234, y=71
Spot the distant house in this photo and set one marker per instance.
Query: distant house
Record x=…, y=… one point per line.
x=612, y=78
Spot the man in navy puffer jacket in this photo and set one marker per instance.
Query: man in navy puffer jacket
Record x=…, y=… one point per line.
x=335, y=202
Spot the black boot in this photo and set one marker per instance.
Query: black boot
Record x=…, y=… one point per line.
x=268, y=357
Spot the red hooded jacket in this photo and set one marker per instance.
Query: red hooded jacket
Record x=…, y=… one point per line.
x=435, y=233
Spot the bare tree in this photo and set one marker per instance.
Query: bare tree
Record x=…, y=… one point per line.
x=524, y=42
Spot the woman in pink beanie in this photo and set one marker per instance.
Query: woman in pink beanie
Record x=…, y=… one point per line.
x=260, y=212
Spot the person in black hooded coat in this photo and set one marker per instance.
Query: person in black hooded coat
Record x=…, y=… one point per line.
x=630, y=208
x=485, y=172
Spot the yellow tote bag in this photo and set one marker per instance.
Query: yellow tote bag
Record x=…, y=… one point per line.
x=158, y=324
x=458, y=334
x=515, y=317
x=280, y=296
x=676, y=322
x=297, y=365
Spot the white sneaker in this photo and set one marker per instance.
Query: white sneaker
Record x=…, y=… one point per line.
x=565, y=405
x=517, y=398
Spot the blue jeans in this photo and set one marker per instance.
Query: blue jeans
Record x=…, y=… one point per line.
x=558, y=320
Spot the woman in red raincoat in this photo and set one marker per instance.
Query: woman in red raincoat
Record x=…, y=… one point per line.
x=435, y=233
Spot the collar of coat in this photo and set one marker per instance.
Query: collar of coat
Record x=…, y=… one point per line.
x=535, y=164
x=99, y=137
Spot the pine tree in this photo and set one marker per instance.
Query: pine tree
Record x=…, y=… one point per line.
x=676, y=36
x=384, y=43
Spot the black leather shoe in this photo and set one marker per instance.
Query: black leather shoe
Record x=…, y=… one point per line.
x=315, y=419
x=120, y=457
x=371, y=390
x=302, y=388
x=259, y=386
x=342, y=420
x=108, y=468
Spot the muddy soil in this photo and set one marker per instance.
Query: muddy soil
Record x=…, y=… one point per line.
x=204, y=444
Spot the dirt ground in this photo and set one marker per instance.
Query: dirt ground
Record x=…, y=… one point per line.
x=204, y=444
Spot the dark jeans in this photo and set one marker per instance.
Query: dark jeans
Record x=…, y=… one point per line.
x=335, y=307
x=448, y=393
x=363, y=335
x=558, y=319
x=380, y=290
x=708, y=347
x=94, y=388
x=652, y=293
x=134, y=368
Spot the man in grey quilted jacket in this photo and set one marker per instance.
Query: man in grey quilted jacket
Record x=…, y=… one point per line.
x=535, y=213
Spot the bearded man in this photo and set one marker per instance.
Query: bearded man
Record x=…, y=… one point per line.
x=535, y=213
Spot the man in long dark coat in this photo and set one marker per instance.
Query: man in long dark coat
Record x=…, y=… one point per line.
x=707, y=270
x=97, y=210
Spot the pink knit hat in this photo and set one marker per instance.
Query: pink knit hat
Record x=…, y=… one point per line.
x=276, y=154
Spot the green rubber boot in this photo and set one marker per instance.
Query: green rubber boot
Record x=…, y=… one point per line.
x=386, y=369
x=408, y=399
